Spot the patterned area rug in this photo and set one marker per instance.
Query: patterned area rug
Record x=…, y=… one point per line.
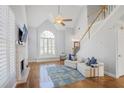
x=62, y=75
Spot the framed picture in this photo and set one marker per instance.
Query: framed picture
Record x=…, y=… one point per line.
x=76, y=44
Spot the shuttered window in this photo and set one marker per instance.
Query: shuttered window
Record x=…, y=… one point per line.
x=47, y=43
x=4, y=67
x=7, y=46
x=11, y=42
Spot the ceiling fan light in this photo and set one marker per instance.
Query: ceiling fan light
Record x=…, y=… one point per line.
x=59, y=21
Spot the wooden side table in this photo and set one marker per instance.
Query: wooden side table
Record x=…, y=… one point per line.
x=62, y=59
x=94, y=71
x=97, y=70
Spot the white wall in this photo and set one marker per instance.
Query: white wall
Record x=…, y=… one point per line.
x=20, y=18
x=101, y=46
x=63, y=41
x=21, y=50
x=69, y=33
x=37, y=16
x=34, y=45
x=92, y=11
x=81, y=24
x=20, y=14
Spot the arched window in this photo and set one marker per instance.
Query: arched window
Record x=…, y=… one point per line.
x=47, y=43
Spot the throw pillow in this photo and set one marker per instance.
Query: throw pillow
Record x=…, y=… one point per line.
x=70, y=58
x=93, y=61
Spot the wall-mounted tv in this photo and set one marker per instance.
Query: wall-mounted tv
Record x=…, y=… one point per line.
x=22, y=36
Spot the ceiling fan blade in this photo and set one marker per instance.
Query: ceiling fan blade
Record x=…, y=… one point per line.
x=67, y=19
x=62, y=24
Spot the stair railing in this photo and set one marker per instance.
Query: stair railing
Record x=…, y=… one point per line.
x=105, y=10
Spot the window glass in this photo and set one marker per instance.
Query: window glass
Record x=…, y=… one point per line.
x=47, y=43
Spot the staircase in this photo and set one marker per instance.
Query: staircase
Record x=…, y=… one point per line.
x=103, y=13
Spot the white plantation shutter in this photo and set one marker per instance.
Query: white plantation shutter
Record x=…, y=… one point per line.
x=4, y=67
x=7, y=46
x=47, y=43
x=11, y=41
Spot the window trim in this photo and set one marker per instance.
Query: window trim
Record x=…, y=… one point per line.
x=47, y=39
x=38, y=47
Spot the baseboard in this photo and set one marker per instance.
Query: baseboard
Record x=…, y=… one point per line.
x=110, y=74
x=48, y=60
x=45, y=60
x=32, y=60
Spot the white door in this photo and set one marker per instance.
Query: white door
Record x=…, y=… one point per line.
x=120, y=52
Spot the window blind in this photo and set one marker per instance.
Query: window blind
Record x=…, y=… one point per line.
x=4, y=67
x=7, y=46
x=47, y=46
x=11, y=42
x=47, y=43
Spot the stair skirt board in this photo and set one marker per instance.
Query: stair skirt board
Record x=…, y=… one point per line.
x=110, y=74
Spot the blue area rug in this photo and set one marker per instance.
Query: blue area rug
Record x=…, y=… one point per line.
x=62, y=75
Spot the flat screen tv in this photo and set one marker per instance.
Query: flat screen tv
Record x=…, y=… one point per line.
x=20, y=35
x=23, y=34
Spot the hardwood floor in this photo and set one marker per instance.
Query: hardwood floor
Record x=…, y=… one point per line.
x=38, y=78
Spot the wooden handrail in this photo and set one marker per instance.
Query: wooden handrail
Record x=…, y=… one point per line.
x=101, y=10
x=88, y=29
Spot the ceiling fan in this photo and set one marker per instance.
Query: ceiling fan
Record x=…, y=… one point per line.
x=59, y=19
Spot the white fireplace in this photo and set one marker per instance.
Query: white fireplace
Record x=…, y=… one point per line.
x=22, y=68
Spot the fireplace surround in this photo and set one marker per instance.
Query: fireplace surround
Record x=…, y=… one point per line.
x=22, y=65
x=22, y=71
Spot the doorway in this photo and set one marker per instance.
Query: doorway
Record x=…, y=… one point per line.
x=120, y=53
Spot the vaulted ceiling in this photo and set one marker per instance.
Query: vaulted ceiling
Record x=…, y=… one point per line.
x=36, y=15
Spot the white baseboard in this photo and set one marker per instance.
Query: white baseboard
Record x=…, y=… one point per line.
x=48, y=60
x=45, y=60
x=110, y=74
x=32, y=60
